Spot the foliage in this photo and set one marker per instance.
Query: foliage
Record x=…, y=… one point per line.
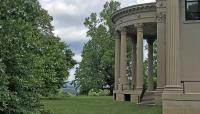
x=32, y=61
x=59, y=95
x=99, y=92
x=154, y=65
x=96, y=71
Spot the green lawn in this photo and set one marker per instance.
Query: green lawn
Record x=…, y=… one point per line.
x=97, y=105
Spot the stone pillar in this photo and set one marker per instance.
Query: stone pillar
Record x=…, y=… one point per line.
x=172, y=89
x=136, y=96
x=117, y=59
x=172, y=45
x=123, y=62
x=161, y=50
x=133, y=62
x=161, y=44
x=139, y=69
x=150, y=65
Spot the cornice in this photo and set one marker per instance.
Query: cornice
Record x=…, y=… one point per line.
x=148, y=7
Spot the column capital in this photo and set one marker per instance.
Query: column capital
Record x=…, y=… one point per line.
x=161, y=17
x=139, y=26
x=123, y=30
x=117, y=35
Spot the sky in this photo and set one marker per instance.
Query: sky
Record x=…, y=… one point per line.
x=69, y=16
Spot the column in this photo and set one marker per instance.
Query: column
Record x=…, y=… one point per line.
x=173, y=91
x=161, y=56
x=161, y=45
x=133, y=62
x=123, y=60
x=139, y=69
x=161, y=50
x=172, y=45
x=117, y=59
x=150, y=65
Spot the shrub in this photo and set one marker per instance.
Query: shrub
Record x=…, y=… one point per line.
x=99, y=92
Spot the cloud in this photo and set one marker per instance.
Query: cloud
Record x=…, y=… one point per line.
x=72, y=34
x=59, y=8
x=68, y=20
x=77, y=57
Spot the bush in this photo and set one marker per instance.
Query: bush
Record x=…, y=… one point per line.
x=60, y=94
x=64, y=94
x=99, y=92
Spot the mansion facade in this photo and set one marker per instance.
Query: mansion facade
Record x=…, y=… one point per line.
x=175, y=25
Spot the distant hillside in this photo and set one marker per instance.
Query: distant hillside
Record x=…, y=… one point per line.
x=68, y=87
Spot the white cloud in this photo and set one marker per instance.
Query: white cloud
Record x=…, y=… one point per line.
x=77, y=57
x=60, y=8
x=72, y=34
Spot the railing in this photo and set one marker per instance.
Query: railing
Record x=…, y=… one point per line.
x=183, y=82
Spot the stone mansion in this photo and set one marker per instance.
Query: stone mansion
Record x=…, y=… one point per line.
x=175, y=24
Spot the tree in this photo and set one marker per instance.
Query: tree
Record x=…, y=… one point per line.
x=155, y=62
x=33, y=62
x=96, y=71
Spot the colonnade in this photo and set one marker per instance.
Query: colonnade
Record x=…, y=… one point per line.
x=121, y=78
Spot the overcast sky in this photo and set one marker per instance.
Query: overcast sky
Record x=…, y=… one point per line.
x=69, y=16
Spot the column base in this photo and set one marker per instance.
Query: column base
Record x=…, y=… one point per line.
x=158, y=96
x=170, y=101
x=119, y=97
x=136, y=96
x=181, y=104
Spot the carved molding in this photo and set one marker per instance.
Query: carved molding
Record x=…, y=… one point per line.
x=139, y=26
x=161, y=4
x=117, y=35
x=161, y=17
x=123, y=31
x=134, y=10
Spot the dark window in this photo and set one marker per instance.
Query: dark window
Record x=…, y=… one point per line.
x=192, y=8
x=127, y=97
x=115, y=96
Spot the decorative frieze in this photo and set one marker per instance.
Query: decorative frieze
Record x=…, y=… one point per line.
x=133, y=10
x=161, y=4
x=161, y=17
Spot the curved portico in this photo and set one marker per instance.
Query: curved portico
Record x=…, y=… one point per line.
x=175, y=24
x=139, y=23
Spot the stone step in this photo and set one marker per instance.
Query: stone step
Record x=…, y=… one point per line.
x=148, y=98
x=149, y=93
x=148, y=103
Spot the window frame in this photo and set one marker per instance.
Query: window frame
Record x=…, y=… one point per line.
x=186, y=11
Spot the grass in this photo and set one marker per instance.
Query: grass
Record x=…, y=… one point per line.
x=96, y=105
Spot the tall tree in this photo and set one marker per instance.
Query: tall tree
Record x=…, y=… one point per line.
x=32, y=61
x=96, y=71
